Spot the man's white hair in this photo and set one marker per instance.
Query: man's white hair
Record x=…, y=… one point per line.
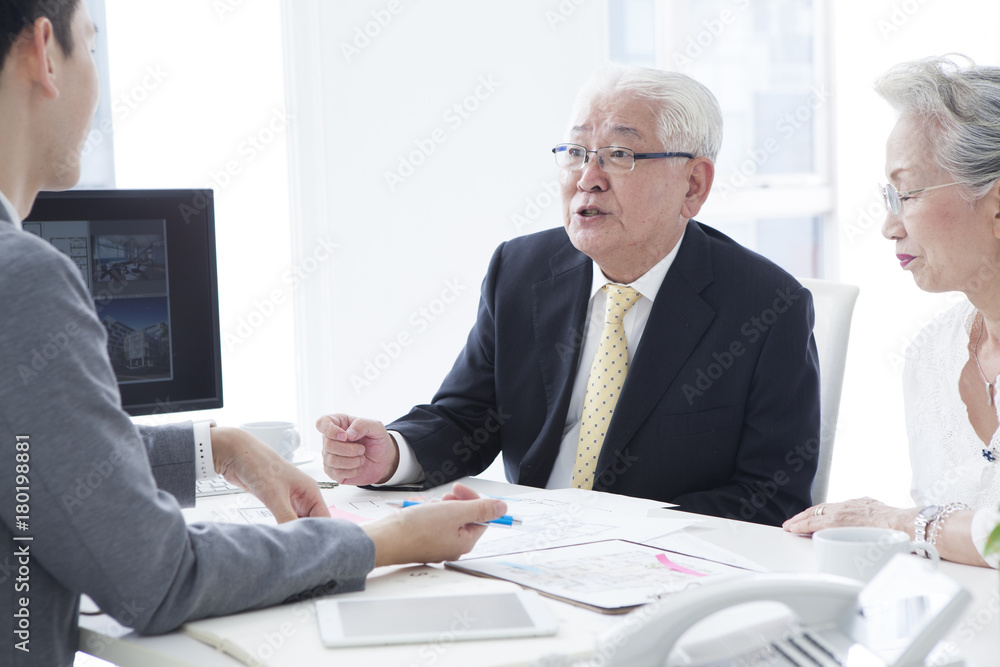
x=688, y=115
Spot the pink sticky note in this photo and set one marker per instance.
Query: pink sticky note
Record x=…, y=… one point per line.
x=662, y=558
x=347, y=516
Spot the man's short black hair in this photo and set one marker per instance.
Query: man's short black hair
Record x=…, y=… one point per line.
x=17, y=15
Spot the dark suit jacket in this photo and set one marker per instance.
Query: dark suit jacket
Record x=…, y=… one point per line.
x=720, y=409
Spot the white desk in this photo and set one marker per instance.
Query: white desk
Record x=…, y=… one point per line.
x=289, y=635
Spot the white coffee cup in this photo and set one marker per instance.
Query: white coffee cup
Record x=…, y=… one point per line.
x=859, y=552
x=280, y=436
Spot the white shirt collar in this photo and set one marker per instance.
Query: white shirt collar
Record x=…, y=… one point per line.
x=648, y=284
x=9, y=208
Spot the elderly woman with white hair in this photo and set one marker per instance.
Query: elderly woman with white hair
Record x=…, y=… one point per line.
x=943, y=214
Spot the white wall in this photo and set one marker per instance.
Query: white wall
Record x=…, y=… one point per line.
x=197, y=93
x=473, y=95
x=869, y=37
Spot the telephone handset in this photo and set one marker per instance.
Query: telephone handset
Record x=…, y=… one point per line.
x=893, y=621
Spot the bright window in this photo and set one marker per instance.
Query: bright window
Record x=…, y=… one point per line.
x=765, y=62
x=98, y=163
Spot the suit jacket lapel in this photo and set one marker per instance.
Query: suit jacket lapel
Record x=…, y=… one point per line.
x=559, y=307
x=678, y=320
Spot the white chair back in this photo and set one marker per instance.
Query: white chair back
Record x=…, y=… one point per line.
x=834, y=306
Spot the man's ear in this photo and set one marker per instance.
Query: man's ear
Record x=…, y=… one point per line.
x=700, y=178
x=38, y=56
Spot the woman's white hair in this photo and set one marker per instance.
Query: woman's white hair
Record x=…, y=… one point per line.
x=960, y=108
x=688, y=115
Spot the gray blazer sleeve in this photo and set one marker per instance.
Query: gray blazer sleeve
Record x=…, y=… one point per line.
x=170, y=449
x=99, y=523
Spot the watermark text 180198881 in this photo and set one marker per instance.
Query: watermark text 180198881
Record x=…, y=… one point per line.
x=22, y=542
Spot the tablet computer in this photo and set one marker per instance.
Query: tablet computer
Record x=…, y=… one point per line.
x=364, y=621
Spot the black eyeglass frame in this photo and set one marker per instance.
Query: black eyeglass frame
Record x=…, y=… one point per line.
x=635, y=156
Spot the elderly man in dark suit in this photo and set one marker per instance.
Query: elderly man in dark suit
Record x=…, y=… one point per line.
x=634, y=351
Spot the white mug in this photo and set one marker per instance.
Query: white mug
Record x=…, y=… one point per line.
x=280, y=436
x=859, y=552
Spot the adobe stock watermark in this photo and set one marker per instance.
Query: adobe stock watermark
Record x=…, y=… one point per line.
x=710, y=31
x=979, y=620
x=461, y=621
x=51, y=344
x=122, y=108
x=751, y=331
x=928, y=329
x=164, y=412
x=247, y=152
x=223, y=8
x=615, y=639
x=464, y=449
x=128, y=102
x=795, y=461
x=365, y=35
x=89, y=481
x=563, y=12
x=272, y=641
x=128, y=613
x=454, y=117
x=869, y=216
x=40, y=356
x=266, y=306
x=899, y=16
x=547, y=195
x=249, y=149
x=566, y=524
x=764, y=491
x=419, y=322
x=785, y=128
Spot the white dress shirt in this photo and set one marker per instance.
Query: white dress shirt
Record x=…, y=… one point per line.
x=648, y=285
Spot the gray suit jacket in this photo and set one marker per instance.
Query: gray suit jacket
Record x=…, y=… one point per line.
x=80, y=483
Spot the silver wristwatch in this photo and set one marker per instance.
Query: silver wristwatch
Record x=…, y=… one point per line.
x=924, y=518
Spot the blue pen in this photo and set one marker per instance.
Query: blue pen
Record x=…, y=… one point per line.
x=505, y=520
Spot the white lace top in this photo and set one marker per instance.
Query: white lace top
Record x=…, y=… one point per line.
x=945, y=453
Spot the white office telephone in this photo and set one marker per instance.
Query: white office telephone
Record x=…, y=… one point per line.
x=893, y=621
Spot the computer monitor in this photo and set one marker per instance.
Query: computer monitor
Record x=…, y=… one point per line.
x=148, y=260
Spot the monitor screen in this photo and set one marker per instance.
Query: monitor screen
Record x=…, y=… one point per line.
x=148, y=260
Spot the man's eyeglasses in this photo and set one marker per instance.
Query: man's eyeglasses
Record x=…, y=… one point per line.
x=894, y=199
x=612, y=159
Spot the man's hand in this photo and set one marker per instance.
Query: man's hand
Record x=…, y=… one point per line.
x=357, y=451
x=250, y=464
x=433, y=532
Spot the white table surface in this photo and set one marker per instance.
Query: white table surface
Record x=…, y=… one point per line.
x=289, y=635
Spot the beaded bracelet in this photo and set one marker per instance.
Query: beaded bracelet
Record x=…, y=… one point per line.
x=945, y=512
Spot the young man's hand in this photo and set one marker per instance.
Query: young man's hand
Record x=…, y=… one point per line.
x=250, y=464
x=435, y=531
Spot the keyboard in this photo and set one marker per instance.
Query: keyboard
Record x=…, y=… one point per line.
x=215, y=487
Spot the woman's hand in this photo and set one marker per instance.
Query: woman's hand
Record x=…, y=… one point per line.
x=857, y=512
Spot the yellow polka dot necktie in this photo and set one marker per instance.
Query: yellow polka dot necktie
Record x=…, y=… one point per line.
x=607, y=375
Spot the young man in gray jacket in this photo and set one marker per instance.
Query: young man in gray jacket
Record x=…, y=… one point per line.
x=89, y=504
